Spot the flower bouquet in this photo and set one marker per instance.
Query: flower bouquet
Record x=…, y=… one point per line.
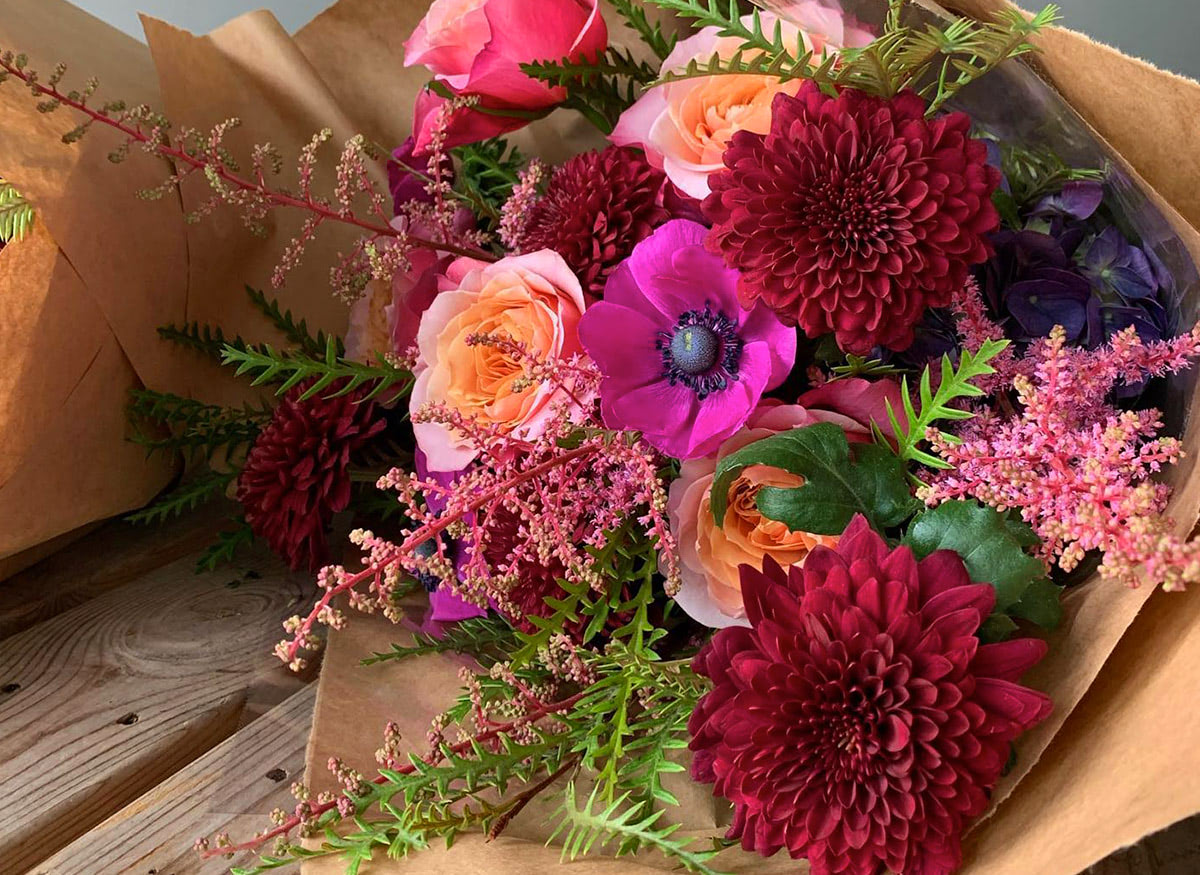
x=773, y=474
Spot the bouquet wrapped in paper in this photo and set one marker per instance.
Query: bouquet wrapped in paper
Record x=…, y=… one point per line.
x=772, y=421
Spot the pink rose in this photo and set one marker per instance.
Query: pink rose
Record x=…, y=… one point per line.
x=710, y=556
x=476, y=47
x=531, y=299
x=685, y=126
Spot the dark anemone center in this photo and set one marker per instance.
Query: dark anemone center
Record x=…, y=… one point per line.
x=702, y=351
x=695, y=349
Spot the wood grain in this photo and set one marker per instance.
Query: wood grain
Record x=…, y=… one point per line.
x=232, y=788
x=116, y=553
x=102, y=702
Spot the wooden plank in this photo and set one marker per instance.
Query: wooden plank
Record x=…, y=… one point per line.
x=232, y=788
x=116, y=553
x=101, y=703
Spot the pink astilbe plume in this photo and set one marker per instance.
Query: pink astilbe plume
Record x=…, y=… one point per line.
x=1075, y=467
x=547, y=500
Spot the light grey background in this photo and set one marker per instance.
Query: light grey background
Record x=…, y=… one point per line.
x=1166, y=32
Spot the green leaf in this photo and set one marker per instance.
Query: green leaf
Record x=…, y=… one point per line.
x=991, y=545
x=930, y=407
x=199, y=490
x=16, y=213
x=228, y=544
x=1041, y=604
x=295, y=332
x=836, y=486
x=997, y=628
x=267, y=365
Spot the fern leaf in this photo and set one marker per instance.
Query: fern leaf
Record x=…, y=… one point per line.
x=295, y=332
x=651, y=34
x=289, y=369
x=227, y=545
x=187, y=497
x=955, y=385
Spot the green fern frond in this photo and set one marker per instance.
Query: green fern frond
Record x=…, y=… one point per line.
x=783, y=67
x=227, y=546
x=16, y=213
x=482, y=637
x=955, y=385
x=651, y=34
x=487, y=173
x=587, y=828
x=196, y=428
x=289, y=369
x=207, y=339
x=186, y=497
x=295, y=332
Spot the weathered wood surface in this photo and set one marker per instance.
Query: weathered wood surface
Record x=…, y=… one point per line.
x=104, y=701
x=232, y=788
x=112, y=555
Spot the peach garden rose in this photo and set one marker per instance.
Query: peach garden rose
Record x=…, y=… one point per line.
x=685, y=126
x=710, y=555
x=532, y=299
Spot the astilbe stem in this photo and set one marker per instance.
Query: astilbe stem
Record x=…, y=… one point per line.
x=309, y=813
x=255, y=197
x=1075, y=467
x=570, y=487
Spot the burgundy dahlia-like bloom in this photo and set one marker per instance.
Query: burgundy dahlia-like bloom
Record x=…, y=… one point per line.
x=297, y=476
x=859, y=722
x=596, y=208
x=854, y=214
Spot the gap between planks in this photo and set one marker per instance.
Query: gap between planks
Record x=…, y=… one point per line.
x=100, y=703
x=233, y=788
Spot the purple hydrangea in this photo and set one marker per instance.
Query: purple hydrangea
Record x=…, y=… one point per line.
x=683, y=362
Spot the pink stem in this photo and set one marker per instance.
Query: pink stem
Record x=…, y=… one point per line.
x=404, y=769
x=423, y=534
x=277, y=198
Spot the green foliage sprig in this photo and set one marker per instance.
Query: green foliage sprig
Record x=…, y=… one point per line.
x=585, y=828
x=16, y=213
x=227, y=546
x=652, y=34
x=188, y=496
x=197, y=429
x=935, y=61
x=601, y=89
x=268, y=365
x=627, y=566
x=1033, y=172
x=207, y=339
x=487, y=173
x=474, y=785
x=296, y=332
x=956, y=384
x=487, y=639
x=839, y=481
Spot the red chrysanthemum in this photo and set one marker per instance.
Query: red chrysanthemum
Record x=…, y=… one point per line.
x=859, y=722
x=596, y=208
x=297, y=474
x=854, y=214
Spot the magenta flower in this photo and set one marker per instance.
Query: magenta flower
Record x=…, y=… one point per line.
x=683, y=363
